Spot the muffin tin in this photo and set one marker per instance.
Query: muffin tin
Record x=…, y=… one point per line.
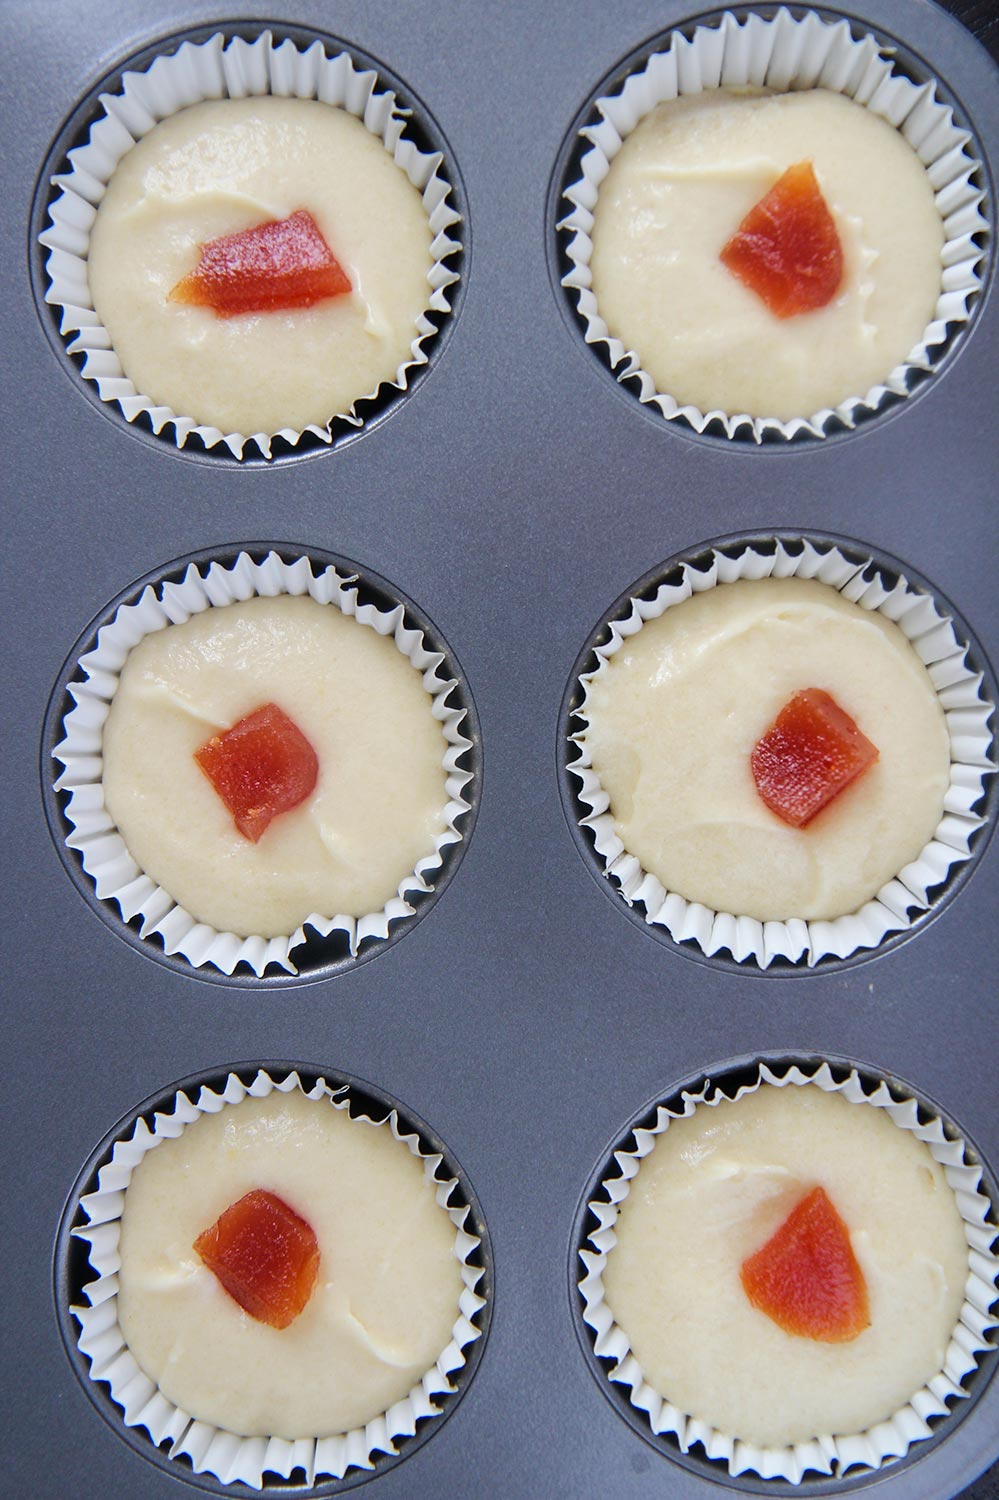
x=515, y=492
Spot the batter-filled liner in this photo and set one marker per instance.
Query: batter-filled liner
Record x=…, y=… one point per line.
x=230, y=67
x=825, y=1454
x=209, y=1449
x=115, y=875
x=967, y=713
x=781, y=54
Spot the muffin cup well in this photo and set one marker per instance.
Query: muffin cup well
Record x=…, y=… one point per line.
x=783, y=52
x=197, y=584
x=967, y=709
x=230, y=65
x=963, y=1374
x=208, y=1450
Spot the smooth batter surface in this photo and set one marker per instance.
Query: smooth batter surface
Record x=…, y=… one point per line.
x=675, y=713
x=713, y=1190
x=379, y=800
x=228, y=165
x=385, y=1297
x=679, y=188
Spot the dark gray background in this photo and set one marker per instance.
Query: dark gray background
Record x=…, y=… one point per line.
x=513, y=497
x=981, y=17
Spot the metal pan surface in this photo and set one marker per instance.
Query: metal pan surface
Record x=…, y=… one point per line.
x=513, y=495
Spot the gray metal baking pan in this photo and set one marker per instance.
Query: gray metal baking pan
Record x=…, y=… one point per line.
x=512, y=495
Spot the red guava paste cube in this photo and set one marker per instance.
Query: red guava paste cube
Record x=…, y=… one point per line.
x=283, y=263
x=786, y=249
x=806, y=1277
x=809, y=754
x=260, y=767
x=265, y=1256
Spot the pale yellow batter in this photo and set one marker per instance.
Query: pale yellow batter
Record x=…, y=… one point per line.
x=385, y=1298
x=676, y=192
x=714, y=1189
x=228, y=165
x=675, y=713
x=380, y=798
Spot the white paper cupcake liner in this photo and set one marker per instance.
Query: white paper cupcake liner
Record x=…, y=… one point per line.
x=826, y=1453
x=781, y=54
x=106, y=860
x=227, y=67
x=897, y=904
x=212, y=1450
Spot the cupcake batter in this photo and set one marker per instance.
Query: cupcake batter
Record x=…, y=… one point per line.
x=712, y=1191
x=676, y=192
x=673, y=717
x=380, y=798
x=228, y=165
x=384, y=1301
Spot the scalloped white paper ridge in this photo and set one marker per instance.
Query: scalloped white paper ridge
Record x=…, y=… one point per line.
x=781, y=54
x=234, y=69
x=106, y=860
x=211, y=1449
x=966, y=713
x=825, y=1453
